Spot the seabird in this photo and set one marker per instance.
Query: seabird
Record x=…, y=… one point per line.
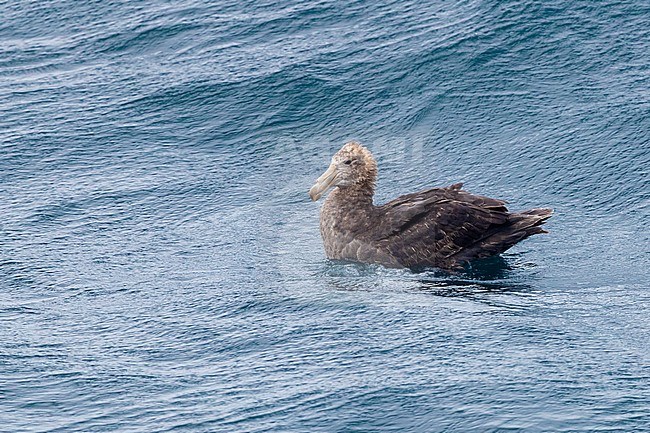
x=439, y=227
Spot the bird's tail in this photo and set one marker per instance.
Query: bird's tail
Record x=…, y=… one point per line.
x=518, y=227
x=530, y=220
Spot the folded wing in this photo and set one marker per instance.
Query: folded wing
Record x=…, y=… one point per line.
x=445, y=227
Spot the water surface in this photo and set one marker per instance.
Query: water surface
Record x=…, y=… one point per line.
x=160, y=262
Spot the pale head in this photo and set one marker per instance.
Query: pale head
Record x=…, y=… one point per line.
x=352, y=167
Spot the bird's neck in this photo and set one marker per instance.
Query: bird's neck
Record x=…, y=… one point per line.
x=359, y=195
x=347, y=212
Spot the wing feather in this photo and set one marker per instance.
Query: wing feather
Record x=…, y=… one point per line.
x=434, y=225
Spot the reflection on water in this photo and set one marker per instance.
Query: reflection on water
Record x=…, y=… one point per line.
x=497, y=282
x=499, y=293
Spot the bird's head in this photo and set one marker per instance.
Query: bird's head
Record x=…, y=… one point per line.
x=352, y=166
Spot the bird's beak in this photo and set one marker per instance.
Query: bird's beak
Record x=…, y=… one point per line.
x=323, y=183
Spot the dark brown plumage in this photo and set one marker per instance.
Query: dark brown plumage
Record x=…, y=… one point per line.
x=440, y=227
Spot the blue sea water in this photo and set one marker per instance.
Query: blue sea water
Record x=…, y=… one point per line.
x=161, y=267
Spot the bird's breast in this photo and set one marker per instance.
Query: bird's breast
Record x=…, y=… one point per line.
x=344, y=229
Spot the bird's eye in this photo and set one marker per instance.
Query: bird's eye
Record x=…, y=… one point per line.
x=347, y=162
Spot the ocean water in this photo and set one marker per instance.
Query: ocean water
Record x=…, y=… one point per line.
x=161, y=267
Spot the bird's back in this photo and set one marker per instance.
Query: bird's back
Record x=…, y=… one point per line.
x=445, y=227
